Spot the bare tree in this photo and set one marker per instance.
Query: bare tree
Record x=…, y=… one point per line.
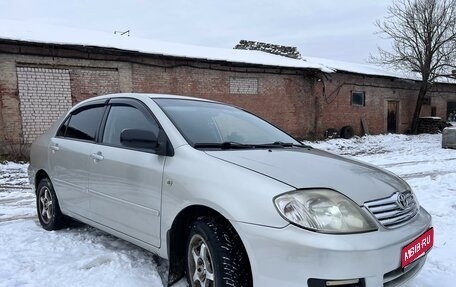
x=423, y=34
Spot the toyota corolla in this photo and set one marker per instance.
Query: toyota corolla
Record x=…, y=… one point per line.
x=228, y=198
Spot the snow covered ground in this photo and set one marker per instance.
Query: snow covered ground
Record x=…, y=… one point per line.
x=84, y=256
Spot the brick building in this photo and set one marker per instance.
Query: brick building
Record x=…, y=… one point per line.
x=42, y=76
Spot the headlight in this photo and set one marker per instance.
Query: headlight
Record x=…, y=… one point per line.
x=323, y=210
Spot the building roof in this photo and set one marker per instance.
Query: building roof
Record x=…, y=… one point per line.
x=366, y=69
x=38, y=33
x=48, y=34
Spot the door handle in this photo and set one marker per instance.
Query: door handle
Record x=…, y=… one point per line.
x=54, y=148
x=97, y=156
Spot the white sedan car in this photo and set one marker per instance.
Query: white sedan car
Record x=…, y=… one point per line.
x=226, y=197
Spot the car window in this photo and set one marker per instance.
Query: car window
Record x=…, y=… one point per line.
x=62, y=130
x=123, y=117
x=83, y=124
x=209, y=122
x=233, y=129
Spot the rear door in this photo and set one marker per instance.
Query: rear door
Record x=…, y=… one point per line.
x=69, y=154
x=125, y=183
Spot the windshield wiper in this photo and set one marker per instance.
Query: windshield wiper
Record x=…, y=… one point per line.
x=223, y=145
x=236, y=145
x=284, y=144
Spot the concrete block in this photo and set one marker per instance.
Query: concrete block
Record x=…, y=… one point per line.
x=449, y=137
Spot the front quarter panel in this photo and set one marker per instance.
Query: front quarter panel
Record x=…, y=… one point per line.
x=191, y=177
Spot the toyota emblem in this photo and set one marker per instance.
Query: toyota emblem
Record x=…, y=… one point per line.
x=404, y=199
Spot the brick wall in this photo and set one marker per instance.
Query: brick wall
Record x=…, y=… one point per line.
x=90, y=82
x=11, y=131
x=439, y=99
x=88, y=77
x=294, y=100
x=2, y=128
x=335, y=109
x=44, y=96
x=244, y=85
x=292, y=93
x=285, y=100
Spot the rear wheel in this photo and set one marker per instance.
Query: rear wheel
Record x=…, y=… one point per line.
x=215, y=255
x=49, y=214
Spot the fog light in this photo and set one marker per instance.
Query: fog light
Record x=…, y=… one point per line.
x=341, y=283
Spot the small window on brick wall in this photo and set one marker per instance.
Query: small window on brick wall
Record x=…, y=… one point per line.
x=358, y=98
x=433, y=111
x=246, y=86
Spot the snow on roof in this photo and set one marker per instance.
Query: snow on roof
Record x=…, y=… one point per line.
x=370, y=69
x=366, y=69
x=32, y=32
x=41, y=33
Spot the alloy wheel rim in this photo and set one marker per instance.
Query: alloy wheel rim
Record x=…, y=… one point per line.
x=46, y=206
x=200, y=262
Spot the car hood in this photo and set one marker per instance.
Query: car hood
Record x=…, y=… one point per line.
x=312, y=168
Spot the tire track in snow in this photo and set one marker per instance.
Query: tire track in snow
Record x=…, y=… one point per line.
x=13, y=200
x=414, y=162
x=432, y=174
x=16, y=204
x=17, y=217
x=6, y=187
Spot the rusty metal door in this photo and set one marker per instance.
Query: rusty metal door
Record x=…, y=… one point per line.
x=392, y=115
x=451, y=111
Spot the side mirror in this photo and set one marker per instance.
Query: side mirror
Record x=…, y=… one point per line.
x=140, y=139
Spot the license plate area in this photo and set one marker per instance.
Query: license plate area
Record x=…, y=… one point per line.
x=417, y=248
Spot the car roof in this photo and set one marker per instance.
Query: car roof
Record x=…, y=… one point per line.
x=141, y=96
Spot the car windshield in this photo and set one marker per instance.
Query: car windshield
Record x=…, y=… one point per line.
x=209, y=124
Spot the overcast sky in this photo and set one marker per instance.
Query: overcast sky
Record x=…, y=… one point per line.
x=334, y=29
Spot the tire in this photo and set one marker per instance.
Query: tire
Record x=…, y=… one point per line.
x=215, y=256
x=47, y=205
x=347, y=132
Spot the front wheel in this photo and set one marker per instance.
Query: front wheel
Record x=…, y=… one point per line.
x=215, y=255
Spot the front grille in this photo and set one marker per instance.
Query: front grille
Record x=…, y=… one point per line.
x=395, y=210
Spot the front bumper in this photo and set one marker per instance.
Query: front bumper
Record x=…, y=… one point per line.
x=290, y=256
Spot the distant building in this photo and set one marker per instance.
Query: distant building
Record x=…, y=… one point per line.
x=44, y=73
